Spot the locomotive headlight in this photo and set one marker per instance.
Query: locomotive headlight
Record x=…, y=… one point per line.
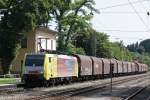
x=41, y=72
x=25, y=71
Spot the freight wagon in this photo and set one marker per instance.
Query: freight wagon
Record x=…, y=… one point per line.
x=129, y=68
x=115, y=69
x=84, y=66
x=120, y=67
x=106, y=67
x=97, y=64
x=125, y=67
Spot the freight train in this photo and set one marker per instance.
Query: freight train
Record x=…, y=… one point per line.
x=53, y=68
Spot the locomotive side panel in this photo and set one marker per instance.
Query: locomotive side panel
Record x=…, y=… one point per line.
x=50, y=66
x=67, y=66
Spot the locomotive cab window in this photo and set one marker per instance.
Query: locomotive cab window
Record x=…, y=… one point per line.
x=34, y=60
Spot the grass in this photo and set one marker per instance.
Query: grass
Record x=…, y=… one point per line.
x=8, y=80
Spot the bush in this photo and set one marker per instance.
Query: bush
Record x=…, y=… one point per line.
x=71, y=49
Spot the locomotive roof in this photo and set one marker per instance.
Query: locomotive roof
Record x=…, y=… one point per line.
x=35, y=54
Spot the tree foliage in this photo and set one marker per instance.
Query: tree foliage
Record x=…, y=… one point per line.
x=71, y=16
x=20, y=16
x=71, y=49
x=94, y=43
x=141, y=51
x=145, y=44
x=120, y=52
x=102, y=45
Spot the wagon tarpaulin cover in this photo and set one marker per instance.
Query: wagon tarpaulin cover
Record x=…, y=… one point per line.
x=113, y=61
x=120, y=67
x=97, y=66
x=106, y=63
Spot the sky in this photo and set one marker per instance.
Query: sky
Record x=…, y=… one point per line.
x=123, y=20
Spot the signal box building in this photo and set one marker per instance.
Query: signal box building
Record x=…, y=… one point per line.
x=41, y=39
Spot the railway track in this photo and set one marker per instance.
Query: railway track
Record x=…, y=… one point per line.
x=10, y=90
x=140, y=94
x=7, y=89
x=73, y=92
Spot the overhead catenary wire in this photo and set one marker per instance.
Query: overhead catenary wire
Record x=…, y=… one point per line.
x=108, y=10
x=116, y=30
x=122, y=4
x=143, y=6
x=148, y=5
x=116, y=37
x=148, y=13
x=138, y=15
x=121, y=12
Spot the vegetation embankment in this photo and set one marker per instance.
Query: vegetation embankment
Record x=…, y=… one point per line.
x=8, y=80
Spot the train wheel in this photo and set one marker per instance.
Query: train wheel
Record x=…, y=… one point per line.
x=53, y=82
x=46, y=83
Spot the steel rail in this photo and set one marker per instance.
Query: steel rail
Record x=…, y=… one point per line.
x=135, y=93
x=148, y=98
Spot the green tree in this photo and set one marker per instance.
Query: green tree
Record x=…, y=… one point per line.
x=146, y=45
x=71, y=49
x=82, y=40
x=140, y=49
x=94, y=43
x=20, y=16
x=133, y=47
x=71, y=16
x=120, y=52
x=102, y=45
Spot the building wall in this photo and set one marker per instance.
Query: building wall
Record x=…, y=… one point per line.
x=51, y=40
x=32, y=47
x=16, y=65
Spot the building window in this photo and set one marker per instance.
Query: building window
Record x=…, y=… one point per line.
x=24, y=43
x=51, y=44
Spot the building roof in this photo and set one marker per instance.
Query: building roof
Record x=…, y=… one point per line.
x=47, y=30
